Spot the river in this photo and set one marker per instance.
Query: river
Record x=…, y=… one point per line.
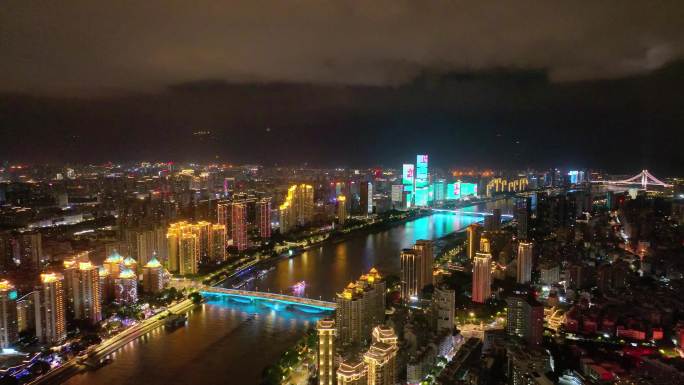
x=225, y=342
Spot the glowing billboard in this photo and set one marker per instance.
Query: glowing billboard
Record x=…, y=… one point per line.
x=421, y=197
x=408, y=174
x=421, y=170
x=453, y=191
x=468, y=189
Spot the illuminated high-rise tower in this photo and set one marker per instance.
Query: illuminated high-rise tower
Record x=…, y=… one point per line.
x=153, y=277
x=30, y=250
x=184, y=251
x=126, y=287
x=422, y=181
x=51, y=306
x=263, y=217
x=9, y=330
x=381, y=361
x=341, y=210
x=366, y=198
x=473, y=233
x=298, y=207
x=524, y=263
x=482, y=277
x=217, y=243
x=239, y=226
x=352, y=372
x=113, y=264
x=426, y=249
x=410, y=273
x=224, y=211
x=86, y=293
x=326, y=351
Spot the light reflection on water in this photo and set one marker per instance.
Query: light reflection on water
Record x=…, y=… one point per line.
x=230, y=342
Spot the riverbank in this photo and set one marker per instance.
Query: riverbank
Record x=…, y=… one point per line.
x=75, y=366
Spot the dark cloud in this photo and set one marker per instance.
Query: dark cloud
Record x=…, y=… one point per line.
x=86, y=45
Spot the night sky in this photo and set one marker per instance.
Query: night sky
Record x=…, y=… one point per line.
x=569, y=83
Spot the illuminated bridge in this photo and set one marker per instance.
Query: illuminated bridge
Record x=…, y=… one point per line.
x=473, y=213
x=250, y=296
x=644, y=178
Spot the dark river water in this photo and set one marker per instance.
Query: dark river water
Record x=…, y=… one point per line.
x=227, y=342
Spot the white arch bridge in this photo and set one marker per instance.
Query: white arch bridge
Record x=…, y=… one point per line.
x=248, y=296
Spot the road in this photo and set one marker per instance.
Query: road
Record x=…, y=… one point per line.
x=106, y=347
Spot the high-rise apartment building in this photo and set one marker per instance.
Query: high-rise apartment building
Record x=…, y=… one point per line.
x=416, y=269
x=298, y=207
x=360, y=306
x=30, y=251
x=126, y=287
x=184, y=248
x=381, y=362
x=153, y=277
x=144, y=242
x=239, y=226
x=426, y=250
x=366, y=198
x=524, y=262
x=217, y=243
x=352, y=372
x=443, y=308
x=525, y=317
x=473, y=233
x=341, y=210
x=523, y=214
x=410, y=274
x=263, y=217
x=482, y=277
x=385, y=334
x=86, y=291
x=9, y=331
x=224, y=212
x=326, y=351
x=51, y=309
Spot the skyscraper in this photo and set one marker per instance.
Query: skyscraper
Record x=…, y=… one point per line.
x=360, y=306
x=298, y=207
x=224, y=210
x=366, y=198
x=482, y=277
x=341, y=210
x=9, y=332
x=381, y=361
x=352, y=372
x=126, y=287
x=86, y=293
x=30, y=251
x=426, y=249
x=524, y=263
x=443, y=308
x=473, y=232
x=184, y=251
x=263, y=217
x=239, y=226
x=385, y=334
x=410, y=274
x=51, y=308
x=202, y=231
x=217, y=243
x=416, y=269
x=525, y=317
x=153, y=277
x=326, y=351
x=523, y=213
x=113, y=264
